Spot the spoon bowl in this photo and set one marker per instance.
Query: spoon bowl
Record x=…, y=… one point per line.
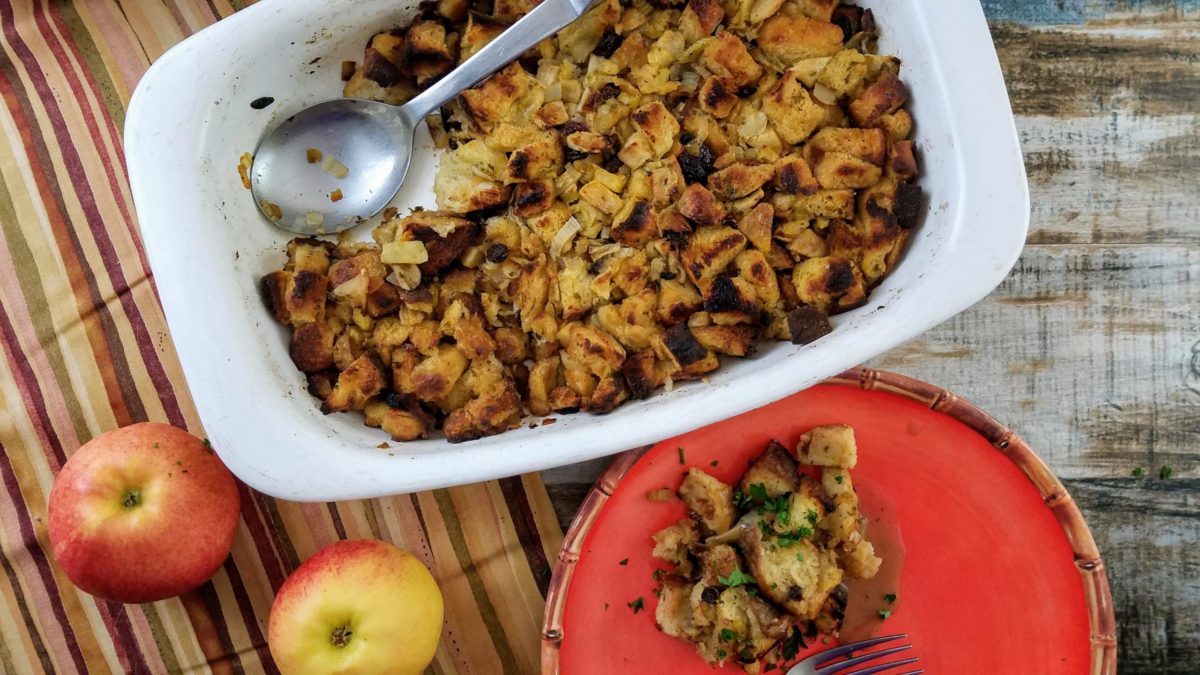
x=331, y=166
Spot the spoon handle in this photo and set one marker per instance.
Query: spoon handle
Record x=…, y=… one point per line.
x=545, y=20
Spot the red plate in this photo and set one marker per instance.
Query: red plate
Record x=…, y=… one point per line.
x=1001, y=573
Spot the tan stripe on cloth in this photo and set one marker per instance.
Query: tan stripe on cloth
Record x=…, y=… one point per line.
x=85, y=349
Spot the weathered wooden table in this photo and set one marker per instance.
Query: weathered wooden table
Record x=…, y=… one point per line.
x=1091, y=348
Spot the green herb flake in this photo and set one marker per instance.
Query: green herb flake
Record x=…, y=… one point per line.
x=839, y=479
x=741, y=500
x=758, y=492
x=726, y=635
x=769, y=667
x=890, y=598
x=800, y=557
x=1165, y=472
x=1138, y=472
x=637, y=605
x=208, y=444
x=811, y=517
x=792, y=645
x=765, y=526
x=736, y=578
x=682, y=459
x=788, y=539
x=885, y=613
x=624, y=562
x=659, y=574
x=721, y=653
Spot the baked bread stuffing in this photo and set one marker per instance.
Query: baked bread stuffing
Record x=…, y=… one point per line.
x=655, y=188
x=758, y=566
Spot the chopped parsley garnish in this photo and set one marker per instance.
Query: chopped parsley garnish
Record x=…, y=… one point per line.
x=741, y=500
x=1138, y=472
x=726, y=635
x=769, y=667
x=758, y=492
x=811, y=517
x=659, y=574
x=839, y=479
x=800, y=557
x=1165, y=472
x=624, y=562
x=637, y=605
x=735, y=578
x=721, y=653
x=682, y=459
x=890, y=598
x=787, y=539
x=885, y=613
x=207, y=443
x=765, y=526
x=792, y=645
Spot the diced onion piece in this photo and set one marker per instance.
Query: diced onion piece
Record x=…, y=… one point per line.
x=334, y=168
x=314, y=218
x=405, y=275
x=754, y=124
x=564, y=236
x=825, y=94
x=398, y=252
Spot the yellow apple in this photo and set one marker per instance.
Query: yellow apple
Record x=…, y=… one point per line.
x=142, y=513
x=356, y=608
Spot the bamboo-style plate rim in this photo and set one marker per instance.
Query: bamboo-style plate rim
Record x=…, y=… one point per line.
x=1096, y=591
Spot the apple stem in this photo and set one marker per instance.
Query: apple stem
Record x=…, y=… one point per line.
x=132, y=499
x=340, y=637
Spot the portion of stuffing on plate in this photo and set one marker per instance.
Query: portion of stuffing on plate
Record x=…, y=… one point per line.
x=653, y=188
x=761, y=564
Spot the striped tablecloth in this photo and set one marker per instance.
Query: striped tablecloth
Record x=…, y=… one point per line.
x=86, y=350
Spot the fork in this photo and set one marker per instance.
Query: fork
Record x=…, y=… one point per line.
x=831, y=661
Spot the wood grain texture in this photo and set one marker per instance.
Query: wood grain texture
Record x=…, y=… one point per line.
x=1091, y=348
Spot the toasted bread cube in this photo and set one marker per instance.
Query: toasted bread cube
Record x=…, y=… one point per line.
x=541, y=158
x=635, y=224
x=642, y=374
x=402, y=424
x=435, y=376
x=304, y=301
x=659, y=125
x=608, y=393
x=786, y=39
x=428, y=53
x=775, y=470
x=884, y=96
x=710, y=499
x=727, y=57
x=830, y=284
x=630, y=321
x=505, y=95
x=480, y=30
x=841, y=171
x=593, y=348
x=710, y=252
x=673, y=615
x=845, y=73
x=731, y=340
x=460, y=187
x=358, y=383
x=717, y=97
x=691, y=358
x=673, y=542
x=495, y=409
x=794, y=176
x=677, y=301
x=700, y=18
x=860, y=561
x=444, y=235
x=699, y=205
x=831, y=445
x=730, y=301
x=310, y=255
x=311, y=348
x=807, y=324
x=274, y=291
x=792, y=110
x=901, y=159
x=543, y=379
x=739, y=180
x=532, y=197
x=868, y=144
x=825, y=204
x=799, y=577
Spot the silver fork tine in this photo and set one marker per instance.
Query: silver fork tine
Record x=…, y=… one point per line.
x=848, y=663
x=882, y=667
x=826, y=657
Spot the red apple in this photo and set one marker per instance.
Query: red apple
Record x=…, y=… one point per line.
x=356, y=608
x=142, y=513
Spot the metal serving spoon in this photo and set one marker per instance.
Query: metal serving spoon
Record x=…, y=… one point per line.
x=371, y=140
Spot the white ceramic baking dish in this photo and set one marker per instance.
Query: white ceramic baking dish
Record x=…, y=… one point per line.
x=191, y=119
